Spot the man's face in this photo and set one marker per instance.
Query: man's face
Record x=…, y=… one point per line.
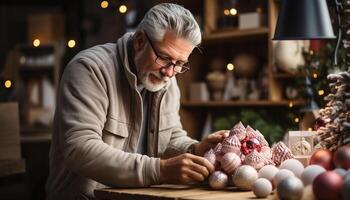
x=152, y=75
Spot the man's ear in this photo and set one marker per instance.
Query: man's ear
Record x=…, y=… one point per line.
x=139, y=40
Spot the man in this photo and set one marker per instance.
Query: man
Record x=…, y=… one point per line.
x=117, y=123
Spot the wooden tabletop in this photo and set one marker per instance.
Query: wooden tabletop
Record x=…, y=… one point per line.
x=174, y=192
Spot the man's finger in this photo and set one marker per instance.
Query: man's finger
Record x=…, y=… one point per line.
x=218, y=136
x=203, y=162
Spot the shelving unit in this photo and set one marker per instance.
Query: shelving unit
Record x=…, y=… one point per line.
x=227, y=42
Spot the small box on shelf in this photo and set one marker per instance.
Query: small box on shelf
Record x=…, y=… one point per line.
x=251, y=20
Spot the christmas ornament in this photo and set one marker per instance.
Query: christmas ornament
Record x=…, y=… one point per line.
x=231, y=144
x=210, y=156
x=280, y=152
x=323, y=158
x=262, y=188
x=229, y=162
x=341, y=157
x=255, y=159
x=310, y=173
x=251, y=133
x=239, y=131
x=346, y=189
x=327, y=185
x=249, y=144
x=261, y=139
x=266, y=152
x=244, y=177
x=268, y=172
x=293, y=165
x=290, y=188
x=319, y=123
x=280, y=175
x=340, y=171
x=218, y=180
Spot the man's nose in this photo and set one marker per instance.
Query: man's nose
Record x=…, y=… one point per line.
x=168, y=71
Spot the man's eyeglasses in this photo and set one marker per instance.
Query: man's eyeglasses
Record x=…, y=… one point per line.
x=179, y=67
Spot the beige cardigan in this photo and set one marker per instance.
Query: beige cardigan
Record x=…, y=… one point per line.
x=97, y=125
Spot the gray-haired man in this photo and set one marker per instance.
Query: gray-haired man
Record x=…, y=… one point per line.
x=117, y=121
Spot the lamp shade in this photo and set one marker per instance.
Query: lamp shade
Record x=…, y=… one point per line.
x=303, y=20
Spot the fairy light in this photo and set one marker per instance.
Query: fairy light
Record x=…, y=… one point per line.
x=226, y=12
x=8, y=84
x=296, y=120
x=36, y=42
x=71, y=43
x=314, y=75
x=123, y=9
x=311, y=52
x=309, y=129
x=230, y=66
x=321, y=92
x=233, y=11
x=290, y=104
x=104, y=4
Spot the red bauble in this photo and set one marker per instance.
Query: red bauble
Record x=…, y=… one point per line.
x=249, y=144
x=323, y=158
x=319, y=123
x=328, y=185
x=341, y=157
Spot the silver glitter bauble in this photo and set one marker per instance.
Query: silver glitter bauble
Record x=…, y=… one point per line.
x=218, y=180
x=244, y=177
x=290, y=188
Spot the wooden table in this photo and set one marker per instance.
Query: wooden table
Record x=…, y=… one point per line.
x=174, y=192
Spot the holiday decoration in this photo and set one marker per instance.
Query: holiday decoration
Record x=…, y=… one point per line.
x=244, y=177
x=249, y=144
x=340, y=171
x=262, y=188
x=290, y=188
x=336, y=131
x=268, y=172
x=210, y=156
x=323, y=158
x=310, y=173
x=328, y=185
x=218, y=180
x=293, y=165
x=229, y=162
x=281, y=152
x=231, y=144
x=280, y=175
x=341, y=157
x=255, y=159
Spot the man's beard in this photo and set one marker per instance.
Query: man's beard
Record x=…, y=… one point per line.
x=158, y=78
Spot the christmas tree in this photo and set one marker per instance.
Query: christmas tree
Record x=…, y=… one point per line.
x=335, y=131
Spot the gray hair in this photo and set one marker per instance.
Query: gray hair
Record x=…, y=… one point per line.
x=173, y=17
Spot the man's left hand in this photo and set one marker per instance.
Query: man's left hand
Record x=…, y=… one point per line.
x=210, y=142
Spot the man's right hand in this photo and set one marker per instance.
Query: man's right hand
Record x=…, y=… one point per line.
x=185, y=168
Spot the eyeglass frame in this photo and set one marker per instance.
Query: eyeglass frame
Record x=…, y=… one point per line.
x=170, y=63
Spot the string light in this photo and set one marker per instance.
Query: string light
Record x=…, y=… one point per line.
x=314, y=75
x=290, y=104
x=230, y=66
x=296, y=120
x=311, y=52
x=309, y=129
x=123, y=9
x=226, y=12
x=36, y=42
x=321, y=92
x=233, y=11
x=71, y=43
x=8, y=84
x=104, y=4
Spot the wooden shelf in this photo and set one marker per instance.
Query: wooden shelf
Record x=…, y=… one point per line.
x=235, y=33
x=286, y=75
x=261, y=103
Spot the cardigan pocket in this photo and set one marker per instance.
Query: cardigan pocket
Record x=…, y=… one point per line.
x=167, y=123
x=115, y=132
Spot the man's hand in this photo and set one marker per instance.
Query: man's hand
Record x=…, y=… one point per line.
x=210, y=142
x=185, y=168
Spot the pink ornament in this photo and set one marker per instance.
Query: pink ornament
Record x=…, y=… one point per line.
x=229, y=162
x=328, y=185
x=218, y=180
x=255, y=159
x=239, y=131
x=210, y=156
x=280, y=153
x=231, y=144
x=261, y=139
x=249, y=145
x=266, y=152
